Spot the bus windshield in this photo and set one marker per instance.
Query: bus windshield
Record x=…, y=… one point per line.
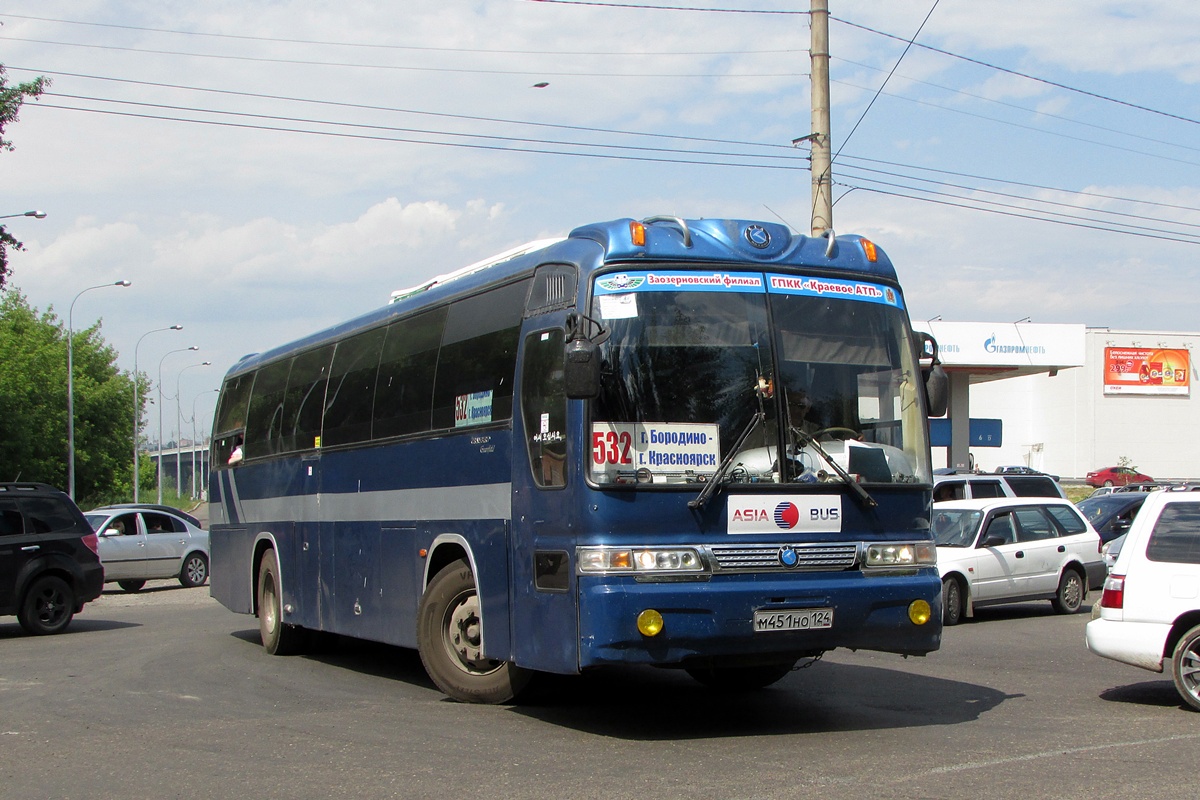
x=818, y=374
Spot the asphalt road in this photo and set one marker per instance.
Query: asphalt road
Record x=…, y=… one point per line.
x=167, y=694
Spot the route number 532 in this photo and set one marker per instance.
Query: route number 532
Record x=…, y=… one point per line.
x=612, y=447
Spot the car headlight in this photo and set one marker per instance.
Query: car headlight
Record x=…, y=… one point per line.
x=901, y=554
x=637, y=560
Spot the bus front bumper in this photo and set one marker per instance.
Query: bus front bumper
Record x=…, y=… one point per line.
x=715, y=618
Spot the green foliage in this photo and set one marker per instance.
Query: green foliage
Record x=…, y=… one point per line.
x=33, y=405
x=11, y=98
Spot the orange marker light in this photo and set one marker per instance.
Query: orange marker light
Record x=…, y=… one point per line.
x=637, y=232
x=869, y=248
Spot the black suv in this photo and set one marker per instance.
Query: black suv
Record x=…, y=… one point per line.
x=49, y=561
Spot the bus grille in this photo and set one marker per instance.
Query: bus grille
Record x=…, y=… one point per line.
x=766, y=557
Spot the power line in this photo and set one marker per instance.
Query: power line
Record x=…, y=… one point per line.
x=1027, y=76
x=397, y=67
x=644, y=7
x=373, y=46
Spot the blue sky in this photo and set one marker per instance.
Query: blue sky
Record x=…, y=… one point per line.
x=427, y=146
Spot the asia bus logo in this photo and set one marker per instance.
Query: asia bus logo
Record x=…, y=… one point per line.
x=787, y=515
x=620, y=283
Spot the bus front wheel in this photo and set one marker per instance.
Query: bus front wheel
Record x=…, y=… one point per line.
x=449, y=637
x=279, y=638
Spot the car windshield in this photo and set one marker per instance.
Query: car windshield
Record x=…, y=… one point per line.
x=955, y=527
x=1098, y=510
x=687, y=368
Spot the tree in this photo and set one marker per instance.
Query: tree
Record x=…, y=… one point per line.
x=11, y=98
x=33, y=408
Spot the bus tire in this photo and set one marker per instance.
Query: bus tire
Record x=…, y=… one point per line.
x=278, y=637
x=449, y=641
x=741, y=679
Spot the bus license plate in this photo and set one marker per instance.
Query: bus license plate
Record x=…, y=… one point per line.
x=795, y=620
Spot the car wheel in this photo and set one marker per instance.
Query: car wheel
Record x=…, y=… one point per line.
x=1185, y=667
x=449, y=639
x=47, y=607
x=131, y=586
x=278, y=637
x=741, y=679
x=1070, y=593
x=1108, y=483
x=952, y=601
x=195, y=570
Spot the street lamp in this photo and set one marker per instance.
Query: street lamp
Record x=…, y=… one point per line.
x=71, y=376
x=195, y=495
x=179, y=426
x=34, y=214
x=160, y=441
x=137, y=412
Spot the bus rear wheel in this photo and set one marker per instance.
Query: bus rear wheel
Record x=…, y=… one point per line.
x=278, y=638
x=449, y=638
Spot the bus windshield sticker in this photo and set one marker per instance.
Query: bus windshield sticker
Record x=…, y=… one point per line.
x=831, y=287
x=790, y=513
x=473, y=409
x=672, y=281
x=618, y=306
x=663, y=448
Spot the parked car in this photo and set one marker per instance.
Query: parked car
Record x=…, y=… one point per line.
x=1111, y=514
x=968, y=487
x=1011, y=550
x=1116, y=476
x=141, y=543
x=1150, y=610
x=1021, y=469
x=49, y=560
x=1110, y=551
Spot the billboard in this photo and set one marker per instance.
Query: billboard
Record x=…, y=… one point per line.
x=1146, y=370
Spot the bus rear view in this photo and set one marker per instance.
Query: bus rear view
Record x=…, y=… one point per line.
x=714, y=457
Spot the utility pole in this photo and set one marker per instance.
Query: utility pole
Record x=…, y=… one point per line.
x=822, y=162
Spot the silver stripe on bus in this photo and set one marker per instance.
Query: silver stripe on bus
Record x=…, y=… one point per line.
x=481, y=501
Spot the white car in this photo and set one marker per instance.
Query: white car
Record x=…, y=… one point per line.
x=146, y=542
x=1150, y=610
x=1013, y=549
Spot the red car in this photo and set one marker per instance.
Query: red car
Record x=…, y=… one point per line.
x=1116, y=476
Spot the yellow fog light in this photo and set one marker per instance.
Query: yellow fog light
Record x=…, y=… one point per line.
x=650, y=622
x=919, y=612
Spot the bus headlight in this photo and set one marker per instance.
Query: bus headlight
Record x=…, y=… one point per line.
x=900, y=554
x=600, y=560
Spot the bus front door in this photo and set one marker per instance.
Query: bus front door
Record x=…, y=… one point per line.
x=545, y=628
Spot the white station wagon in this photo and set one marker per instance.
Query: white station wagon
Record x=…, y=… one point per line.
x=1150, y=611
x=1013, y=549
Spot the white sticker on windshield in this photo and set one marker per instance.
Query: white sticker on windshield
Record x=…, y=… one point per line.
x=618, y=306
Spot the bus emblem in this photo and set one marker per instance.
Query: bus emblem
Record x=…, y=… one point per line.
x=788, y=557
x=758, y=237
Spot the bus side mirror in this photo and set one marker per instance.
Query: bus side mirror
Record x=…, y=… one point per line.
x=937, y=390
x=937, y=385
x=581, y=369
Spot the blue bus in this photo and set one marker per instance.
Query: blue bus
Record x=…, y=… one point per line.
x=699, y=444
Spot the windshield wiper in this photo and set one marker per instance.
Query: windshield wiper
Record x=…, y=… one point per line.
x=718, y=476
x=807, y=440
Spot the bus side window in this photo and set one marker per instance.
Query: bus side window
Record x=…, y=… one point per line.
x=407, y=366
x=264, y=423
x=305, y=400
x=478, y=358
x=351, y=393
x=544, y=407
